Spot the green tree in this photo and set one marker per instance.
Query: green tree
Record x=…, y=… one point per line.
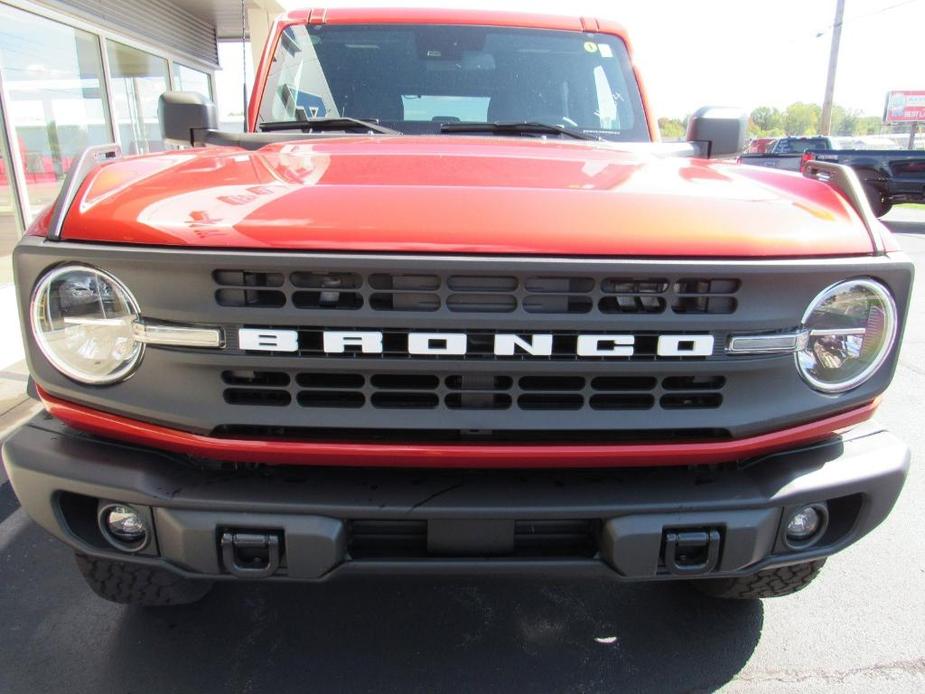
x=867, y=125
x=844, y=121
x=802, y=119
x=672, y=128
x=765, y=119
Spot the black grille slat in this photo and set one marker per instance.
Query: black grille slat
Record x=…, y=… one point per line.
x=412, y=292
x=429, y=391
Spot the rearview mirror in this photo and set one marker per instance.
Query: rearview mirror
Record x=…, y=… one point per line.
x=718, y=131
x=185, y=116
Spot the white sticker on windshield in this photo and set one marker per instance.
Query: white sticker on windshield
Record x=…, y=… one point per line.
x=605, y=50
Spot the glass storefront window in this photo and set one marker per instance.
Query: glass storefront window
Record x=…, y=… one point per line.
x=52, y=76
x=237, y=68
x=186, y=79
x=10, y=224
x=138, y=79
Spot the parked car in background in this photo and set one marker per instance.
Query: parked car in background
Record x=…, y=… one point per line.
x=760, y=145
x=889, y=176
x=786, y=152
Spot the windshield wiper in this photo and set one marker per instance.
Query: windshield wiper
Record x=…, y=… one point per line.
x=324, y=124
x=516, y=128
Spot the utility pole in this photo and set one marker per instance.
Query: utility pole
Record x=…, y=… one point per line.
x=825, y=126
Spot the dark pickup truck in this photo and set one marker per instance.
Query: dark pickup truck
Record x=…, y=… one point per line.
x=786, y=153
x=889, y=177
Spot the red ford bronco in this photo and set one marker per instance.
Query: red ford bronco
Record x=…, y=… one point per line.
x=447, y=306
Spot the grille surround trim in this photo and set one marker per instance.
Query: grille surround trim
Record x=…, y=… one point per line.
x=174, y=285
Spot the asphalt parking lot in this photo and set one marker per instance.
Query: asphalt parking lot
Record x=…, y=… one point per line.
x=858, y=628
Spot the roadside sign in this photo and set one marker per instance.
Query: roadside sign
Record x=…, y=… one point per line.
x=904, y=107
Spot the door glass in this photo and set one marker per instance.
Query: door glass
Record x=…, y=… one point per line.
x=138, y=80
x=186, y=79
x=52, y=76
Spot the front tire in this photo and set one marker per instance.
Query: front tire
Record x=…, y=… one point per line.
x=770, y=583
x=135, y=584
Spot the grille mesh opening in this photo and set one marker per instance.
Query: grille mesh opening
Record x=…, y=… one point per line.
x=331, y=398
x=256, y=378
x=632, y=304
x=332, y=299
x=692, y=401
x=461, y=283
x=694, y=382
x=411, y=301
x=621, y=402
x=624, y=383
x=404, y=282
x=478, y=401
x=242, y=278
x=253, y=397
x=326, y=280
x=552, y=383
x=481, y=303
x=550, y=401
x=405, y=381
x=559, y=285
x=250, y=298
x=330, y=380
x=405, y=401
x=558, y=304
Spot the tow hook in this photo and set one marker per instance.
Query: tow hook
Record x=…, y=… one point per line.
x=690, y=553
x=250, y=554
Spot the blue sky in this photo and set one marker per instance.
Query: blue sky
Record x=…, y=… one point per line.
x=748, y=53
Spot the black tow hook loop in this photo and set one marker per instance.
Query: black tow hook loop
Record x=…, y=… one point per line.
x=250, y=554
x=692, y=553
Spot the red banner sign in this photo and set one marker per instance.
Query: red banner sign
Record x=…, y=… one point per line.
x=904, y=107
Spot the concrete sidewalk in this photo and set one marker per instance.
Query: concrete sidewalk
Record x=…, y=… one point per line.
x=15, y=405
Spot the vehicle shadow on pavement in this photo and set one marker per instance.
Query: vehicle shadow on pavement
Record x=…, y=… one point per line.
x=439, y=635
x=906, y=227
x=357, y=635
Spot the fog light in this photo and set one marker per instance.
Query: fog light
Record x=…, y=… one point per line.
x=124, y=527
x=804, y=524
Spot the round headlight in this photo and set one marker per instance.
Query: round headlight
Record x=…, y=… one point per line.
x=849, y=331
x=82, y=321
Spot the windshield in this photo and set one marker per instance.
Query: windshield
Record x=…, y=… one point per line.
x=416, y=78
x=800, y=145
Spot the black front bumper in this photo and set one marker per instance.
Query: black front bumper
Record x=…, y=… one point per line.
x=337, y=521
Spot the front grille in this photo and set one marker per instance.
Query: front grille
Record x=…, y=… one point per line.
x=306, y=394
x=493, y=294
x=431, y=391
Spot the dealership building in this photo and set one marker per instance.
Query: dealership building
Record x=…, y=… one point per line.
x=75, y=73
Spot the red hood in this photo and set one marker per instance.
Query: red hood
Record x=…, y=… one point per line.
x=447, y=194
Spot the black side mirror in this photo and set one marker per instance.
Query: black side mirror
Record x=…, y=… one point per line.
x=720, y=132
x=185, y=117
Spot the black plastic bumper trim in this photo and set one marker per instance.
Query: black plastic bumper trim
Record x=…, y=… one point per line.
x=45, y=458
